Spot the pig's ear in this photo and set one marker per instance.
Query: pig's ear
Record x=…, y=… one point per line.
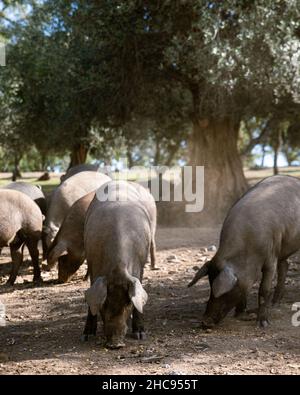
x=137, y=294
x=95, y=296
x=224, y=282
x=202, y=272
x=57, y=251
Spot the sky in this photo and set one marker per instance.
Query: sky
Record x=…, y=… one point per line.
x=268, y=158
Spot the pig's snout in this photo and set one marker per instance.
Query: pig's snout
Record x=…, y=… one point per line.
x=115, y=344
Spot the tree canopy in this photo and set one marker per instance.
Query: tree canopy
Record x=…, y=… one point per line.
x=84, y=75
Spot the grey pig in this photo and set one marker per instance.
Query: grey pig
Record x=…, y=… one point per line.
x=258, y=235
x=65, y=195
x=117, y=237
x=36, y=194
x=68, y=247
x=21, y=223
x=78, y=169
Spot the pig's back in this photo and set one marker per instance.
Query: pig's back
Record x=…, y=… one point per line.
x=268, y=213
x=70, y=191
x=18, y=211
x=115, y=233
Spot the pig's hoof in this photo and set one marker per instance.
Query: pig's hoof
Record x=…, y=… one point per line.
x=139, y=335
x=115, y=346
x=85, y=338
x=246, y=316
x=143, y=336
x=209, y=324
x=264, y=323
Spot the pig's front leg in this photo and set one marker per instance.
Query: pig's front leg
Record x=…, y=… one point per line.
x=138, y=331
x=265, y=295
x=90, y=326
x=282, y=269
x=240, y=308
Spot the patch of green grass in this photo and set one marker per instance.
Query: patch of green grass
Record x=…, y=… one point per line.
x=253, y=176
x=47, y=186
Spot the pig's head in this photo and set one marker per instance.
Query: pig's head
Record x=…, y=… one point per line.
x=114, y=300
x=67, y=267
x=68, y=263
x=225, y=292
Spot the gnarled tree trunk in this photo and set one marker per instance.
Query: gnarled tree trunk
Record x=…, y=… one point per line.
x=16, y=171
x=262, y=163
x=276, y=149
x=213, y=145
x=78, y=154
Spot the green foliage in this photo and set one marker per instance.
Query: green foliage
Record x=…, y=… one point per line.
x=129, y=77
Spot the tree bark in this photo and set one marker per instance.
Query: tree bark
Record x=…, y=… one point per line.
x=262, y=164
x=43, y=162
x=78, y=154
x=130, y=161
x=157, y=152
x=276, y=148
x=16, y=172
x=171, y=154
x=214, y=145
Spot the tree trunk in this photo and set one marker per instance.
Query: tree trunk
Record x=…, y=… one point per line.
x=16, y=172
x=78, y=154
x=275, y=165
x=130, y=161
x=214, y=145
x=157, y=152
x=262, y=164
x=276, y=148
x=171, y=154
x=43, y=162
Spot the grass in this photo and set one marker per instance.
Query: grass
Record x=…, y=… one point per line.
x=32, y=178
x=253, y=176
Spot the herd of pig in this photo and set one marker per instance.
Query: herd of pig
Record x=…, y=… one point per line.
x=111, y=225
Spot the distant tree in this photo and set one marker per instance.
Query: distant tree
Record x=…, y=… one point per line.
x=111, y=62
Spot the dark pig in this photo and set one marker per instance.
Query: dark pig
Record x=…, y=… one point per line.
x=65, y=195
x=78, y=169
x=36, y=194
x=68, y=247
x=33, y=191
x=117, y=238
x=259, y=233
x=21, y=223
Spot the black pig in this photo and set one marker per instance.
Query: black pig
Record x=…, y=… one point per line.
x=259, y=233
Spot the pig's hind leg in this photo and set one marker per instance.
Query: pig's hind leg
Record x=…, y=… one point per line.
x=16, y=251
x=282, y=269
x=32, y=245
x=153, y=254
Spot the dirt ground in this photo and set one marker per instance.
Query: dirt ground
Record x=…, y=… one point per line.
x=44, y=323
